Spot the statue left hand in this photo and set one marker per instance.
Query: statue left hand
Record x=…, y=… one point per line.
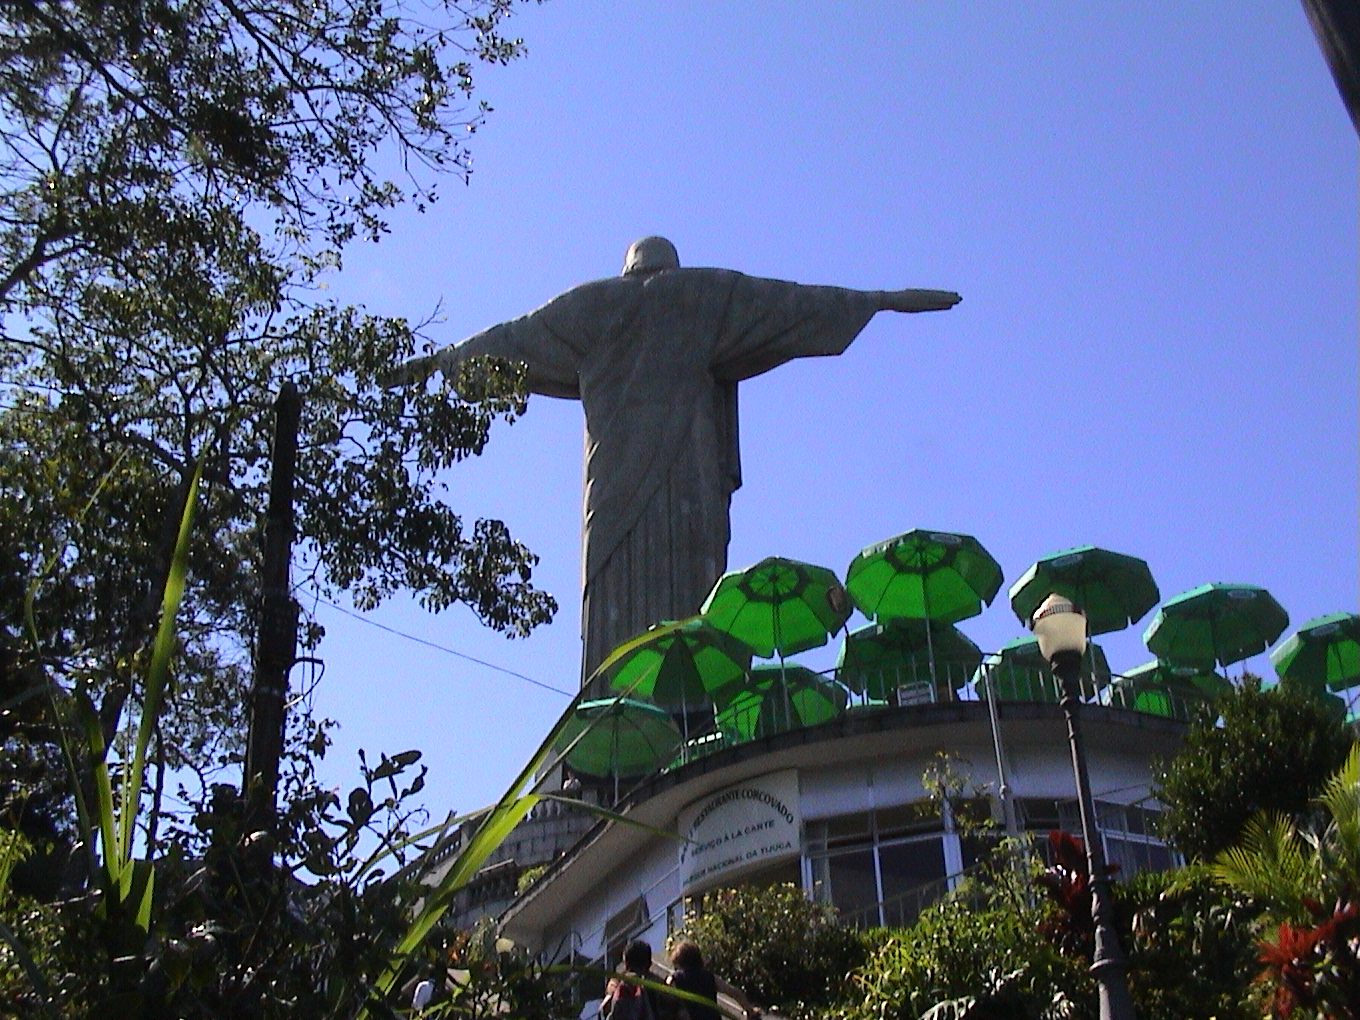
x=416, y=370
x=919, y=300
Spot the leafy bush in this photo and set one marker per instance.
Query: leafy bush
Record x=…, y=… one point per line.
x=1273, y=752
x=978, y=954
x=1192, y=951
x=1306, y=880
x=485, y=977
x=775, y=944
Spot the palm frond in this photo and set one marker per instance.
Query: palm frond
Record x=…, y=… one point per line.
x=1270, y=864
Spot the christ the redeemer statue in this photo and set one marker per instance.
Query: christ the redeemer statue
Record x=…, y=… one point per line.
x=655, y=356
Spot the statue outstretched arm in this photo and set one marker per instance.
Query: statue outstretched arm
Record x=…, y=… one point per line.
x=919, y=300
x=551, y=364
x=446, y=360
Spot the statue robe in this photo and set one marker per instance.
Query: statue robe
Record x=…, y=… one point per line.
x=655, y=360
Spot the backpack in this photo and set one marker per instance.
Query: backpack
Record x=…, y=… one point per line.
x=630, y=1002
x=700, y=982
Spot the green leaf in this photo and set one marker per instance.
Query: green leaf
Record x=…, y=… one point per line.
x=360, y=807
x=30, y=968
x=500, y=821
x=159, y=670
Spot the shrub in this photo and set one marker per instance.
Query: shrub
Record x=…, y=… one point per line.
x=775, y=944
x=1192, y=951
x=981, y=951
x=1273, y=752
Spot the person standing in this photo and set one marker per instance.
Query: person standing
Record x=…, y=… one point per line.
x=629, y=1000
x=690, y=975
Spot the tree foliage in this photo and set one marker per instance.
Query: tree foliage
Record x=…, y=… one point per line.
x=176, y=177
x=1306, y=880
x=1192, y=948
x=1272, y=751
x=775, y=944
x=979, y=954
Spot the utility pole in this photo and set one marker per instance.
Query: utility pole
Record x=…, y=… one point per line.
x=276, y=642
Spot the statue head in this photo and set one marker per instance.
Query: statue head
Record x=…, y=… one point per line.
x=649, y=255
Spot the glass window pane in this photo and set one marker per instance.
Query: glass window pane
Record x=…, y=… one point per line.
x=913, y=878
x=978, y=846
x=1112, y=817
x=907, y=865
x=814, y=837
x=847, y=829
x=1039, y=815
x=853, y=886
x=907, y=820
x=1160, y=858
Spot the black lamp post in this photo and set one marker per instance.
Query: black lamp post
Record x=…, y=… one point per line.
x=1061, y=630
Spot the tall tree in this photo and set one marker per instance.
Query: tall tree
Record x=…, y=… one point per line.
x=175, y=176
x=1273, y=750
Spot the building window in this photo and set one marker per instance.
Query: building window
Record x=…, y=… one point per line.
x=1128, y=832
x=623, y=926
x=1131, y=840
x=879, y=867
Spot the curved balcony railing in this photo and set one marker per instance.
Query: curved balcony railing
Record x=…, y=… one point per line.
x=861, y=690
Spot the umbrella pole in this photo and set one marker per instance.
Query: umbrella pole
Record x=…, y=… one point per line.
x=786, y=704
x=684, y=724
x=1003, y=789
x=930, y=643
x=930, y=656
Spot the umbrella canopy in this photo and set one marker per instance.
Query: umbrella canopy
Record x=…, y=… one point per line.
x=1021, y=673
x=680, y=665
x=1324, y=652
x=778, y=606
x=1155, y=687
x=619, y=737
x=1215, y=624
x=1206, y=682
x=876, y=659
x=1113, y=590
x=777, y=698
x=923, y=575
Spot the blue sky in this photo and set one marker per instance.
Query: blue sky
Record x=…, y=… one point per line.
x=1150, y=210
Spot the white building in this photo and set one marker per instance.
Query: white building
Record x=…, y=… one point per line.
x=840, y=809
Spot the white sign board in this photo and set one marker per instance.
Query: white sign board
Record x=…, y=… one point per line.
x=739, y=828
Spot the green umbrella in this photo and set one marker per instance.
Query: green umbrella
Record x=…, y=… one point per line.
x=619, y=737
x=778, y=606
x=1155, y=687
x=1020, y=672
x=923, y=575
x=776, y=698
x=1324, y=652
x=1206, y=682
x=678, y=666
x=877, y=658
x=1215, y=624
x=1113, y=590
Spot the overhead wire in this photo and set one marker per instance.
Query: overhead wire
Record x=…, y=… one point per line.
x=313, y=593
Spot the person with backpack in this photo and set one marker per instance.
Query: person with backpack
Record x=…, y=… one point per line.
x=690, y=975
x=628, y=1000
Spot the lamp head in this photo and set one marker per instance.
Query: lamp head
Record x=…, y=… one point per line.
x=1060, y=627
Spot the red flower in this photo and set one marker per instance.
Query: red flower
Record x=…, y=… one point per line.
x=1068, y=884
